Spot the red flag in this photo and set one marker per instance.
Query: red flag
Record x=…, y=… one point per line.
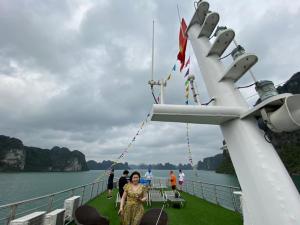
x=188, y=61
x=182, y=44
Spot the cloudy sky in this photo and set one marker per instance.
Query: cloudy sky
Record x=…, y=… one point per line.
x=74, y=73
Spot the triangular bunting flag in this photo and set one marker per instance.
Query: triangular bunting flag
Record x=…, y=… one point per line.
x=188, y=61
x=187, y=72
x=169, y=77
x=174, y=67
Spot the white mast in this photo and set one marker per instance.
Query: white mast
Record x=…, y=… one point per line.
x=269, y=194
x=152, y=64
x=162, y=83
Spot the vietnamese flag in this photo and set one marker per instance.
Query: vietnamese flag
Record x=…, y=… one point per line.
x=182, y=44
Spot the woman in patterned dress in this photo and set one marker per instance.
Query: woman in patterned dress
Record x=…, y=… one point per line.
x=131, y=207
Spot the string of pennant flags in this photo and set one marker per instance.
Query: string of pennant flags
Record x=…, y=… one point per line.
x=126, y=150
x=131, y=142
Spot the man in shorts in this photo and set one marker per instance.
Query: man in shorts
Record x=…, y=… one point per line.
x=180, y=179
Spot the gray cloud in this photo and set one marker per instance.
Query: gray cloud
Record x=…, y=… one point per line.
x=74, y=73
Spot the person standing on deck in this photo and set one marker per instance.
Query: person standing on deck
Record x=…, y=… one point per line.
x=173, y=180
x=122, y=181
x=148, y=176
x=180, y=179
x=110, y=183
x=131, y=207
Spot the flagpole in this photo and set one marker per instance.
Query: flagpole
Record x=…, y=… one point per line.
x=152, y=66
x=179, y=17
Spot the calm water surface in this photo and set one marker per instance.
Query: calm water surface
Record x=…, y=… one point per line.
x=20, y=186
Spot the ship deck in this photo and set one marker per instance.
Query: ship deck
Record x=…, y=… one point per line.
x=196, y=211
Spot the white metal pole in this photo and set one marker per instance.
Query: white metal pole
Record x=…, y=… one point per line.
x=152, y=65
x=162, y=94
x=268, y=190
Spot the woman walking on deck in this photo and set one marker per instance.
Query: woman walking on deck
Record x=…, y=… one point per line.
x=131, y=207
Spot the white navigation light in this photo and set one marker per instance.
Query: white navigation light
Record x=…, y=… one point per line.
x=287, y=117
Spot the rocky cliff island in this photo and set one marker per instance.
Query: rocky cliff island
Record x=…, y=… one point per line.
x=14, y=156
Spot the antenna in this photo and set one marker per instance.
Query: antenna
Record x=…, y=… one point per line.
x=152, y=67
x=162, y=83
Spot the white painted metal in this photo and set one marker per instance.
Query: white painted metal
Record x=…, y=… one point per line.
x=195, y=114
x=273, y=102
x=239, y=67
x=162, y=92
x=56, y=217
x=70, y=205
x=152, y=62
x=246, y=219
x=268, y=190
x=287, y=117
x=200, y=13
x=210, y=23
x=222, y=41
x=35, y=218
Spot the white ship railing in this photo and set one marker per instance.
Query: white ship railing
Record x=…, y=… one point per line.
x=222, y=195
x=50, y=202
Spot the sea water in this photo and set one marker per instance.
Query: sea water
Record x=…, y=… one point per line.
x=20, y=186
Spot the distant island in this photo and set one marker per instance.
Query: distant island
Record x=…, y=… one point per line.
x=15, y=157
x=93, y=165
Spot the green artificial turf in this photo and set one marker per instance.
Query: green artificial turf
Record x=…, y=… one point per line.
x=196, y=212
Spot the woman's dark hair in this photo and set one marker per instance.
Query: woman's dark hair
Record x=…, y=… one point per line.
x=134, y=173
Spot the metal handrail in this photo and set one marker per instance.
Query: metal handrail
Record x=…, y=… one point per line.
x=207, y=191
x=210, y=192
x=216, y=193
x=45, y=196
x=12, y=207
x=218, y=185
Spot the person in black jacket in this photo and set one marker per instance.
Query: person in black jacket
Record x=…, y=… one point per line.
x=110, y=183
x=122, y=181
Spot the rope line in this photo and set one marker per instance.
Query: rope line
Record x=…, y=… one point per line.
x=225, y=56
x=189, y=149
x=162, y=208
x=155, y=99
x=118, y=159
x=207, y=103
x=246, y=86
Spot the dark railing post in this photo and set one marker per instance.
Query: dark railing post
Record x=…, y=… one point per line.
x=233, y=200
x=98, y=188
x=12, y=215
x=202, y=191
x=216, y=194
x=50, y=203
x=83, y=190
x=92, y=190
x=193, y=183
